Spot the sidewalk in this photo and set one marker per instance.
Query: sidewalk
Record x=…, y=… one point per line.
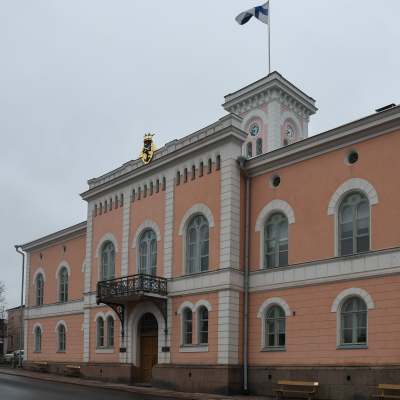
x=125, y=388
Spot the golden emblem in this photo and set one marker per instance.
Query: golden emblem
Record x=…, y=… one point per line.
x=148, y=148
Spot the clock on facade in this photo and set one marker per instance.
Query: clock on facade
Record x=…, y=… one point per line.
x=254, y=129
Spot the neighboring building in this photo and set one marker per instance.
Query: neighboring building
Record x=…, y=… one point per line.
x=14, y=338
x=3, y=333
x=153, y=286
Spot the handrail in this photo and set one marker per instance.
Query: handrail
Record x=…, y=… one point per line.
x=129, y=285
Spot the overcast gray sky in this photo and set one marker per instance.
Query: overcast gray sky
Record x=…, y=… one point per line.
x=81, y=81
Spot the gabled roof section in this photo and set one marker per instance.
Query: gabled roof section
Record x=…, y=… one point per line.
x=226, y=128
x=53, y=238
x=265, y=89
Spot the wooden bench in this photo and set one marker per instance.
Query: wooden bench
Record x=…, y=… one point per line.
x=387, y=391
x=72, y=370
x=41, y=366
x=296, y=388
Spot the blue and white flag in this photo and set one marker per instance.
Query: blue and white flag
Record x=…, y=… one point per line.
x=260, y=12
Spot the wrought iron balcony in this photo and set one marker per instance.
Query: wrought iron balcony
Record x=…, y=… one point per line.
x=130, y=288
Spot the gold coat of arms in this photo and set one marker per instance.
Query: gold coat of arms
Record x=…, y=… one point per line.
x=148, y=149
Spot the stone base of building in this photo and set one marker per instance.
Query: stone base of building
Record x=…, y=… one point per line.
x=336, y=383
x=108, y=372
x=218, y=379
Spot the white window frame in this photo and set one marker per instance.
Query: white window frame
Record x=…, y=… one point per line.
x=351, y=185
x=262, y=312
x=274, y=206
x=337, y=307
x=108, y=237
x=34, y=329
x=58, y=325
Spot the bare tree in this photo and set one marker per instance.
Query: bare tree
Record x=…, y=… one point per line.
x=2, y=292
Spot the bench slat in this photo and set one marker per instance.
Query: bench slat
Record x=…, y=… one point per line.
x=298, y=383
x=388, y=386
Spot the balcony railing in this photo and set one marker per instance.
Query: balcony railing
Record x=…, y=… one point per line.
x=121, y=290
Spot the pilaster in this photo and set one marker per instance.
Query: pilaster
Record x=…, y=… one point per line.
x=228, y=327
x=125, y=233
x=230, y=208
x=168, y=224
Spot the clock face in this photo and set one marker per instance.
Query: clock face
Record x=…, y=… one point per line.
x=254, y=129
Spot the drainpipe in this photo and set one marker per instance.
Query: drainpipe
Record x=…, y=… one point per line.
x=242, y=162
x=21, y=329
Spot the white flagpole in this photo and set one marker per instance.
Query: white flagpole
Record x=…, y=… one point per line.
x=269, y=37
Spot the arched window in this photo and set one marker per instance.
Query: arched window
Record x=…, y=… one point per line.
x=148, y=252
x=100, y=332
x=39, y=289
x=275, y=322
x=38, y=339
x=202, y=325
x=110, y=331
x=353, y=322
x=187, y=321
x=249, y=149
x=259, y=148
x=63, y=282
x=62, y=340
x=276, y=241
x=197, y=237
x=354, y=217
x=107, y=261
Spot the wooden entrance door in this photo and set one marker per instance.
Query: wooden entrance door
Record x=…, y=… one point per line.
x=148, y=346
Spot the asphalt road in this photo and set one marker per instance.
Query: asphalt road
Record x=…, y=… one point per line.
x=21, y=388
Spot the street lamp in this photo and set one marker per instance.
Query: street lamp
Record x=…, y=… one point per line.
x=21, y=329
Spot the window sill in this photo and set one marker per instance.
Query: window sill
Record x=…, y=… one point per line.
x=105, y=350
x=352, y=346
x=61, y=351
x=37, y=351
x=194, y=348
x=273, y=349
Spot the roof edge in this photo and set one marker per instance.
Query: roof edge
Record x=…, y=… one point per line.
x=44, y=241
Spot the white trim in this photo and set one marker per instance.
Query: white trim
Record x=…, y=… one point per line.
x=352, y=292
x=108, y=237
x=209, y=281
x=54, y=310
x=273, y=301
x=185, y=304
x=61, y=322
x=197, y=348
x=38, y=271
x=36, y=325
x=63, y=264
x=274, y=206
x=204, y=303
x=199, y=208
x=99, y=315
x=377, y=263
x=106, y=350
x=110, y=314
x=146, y=224
x=350, y=185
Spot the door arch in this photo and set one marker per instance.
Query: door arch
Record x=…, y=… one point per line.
x=133, y=337
x=148, y=342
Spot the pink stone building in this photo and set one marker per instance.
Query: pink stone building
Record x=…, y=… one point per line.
x=243, y=253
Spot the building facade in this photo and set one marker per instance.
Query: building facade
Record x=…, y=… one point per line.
x=243, y=253
x=15, y=333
